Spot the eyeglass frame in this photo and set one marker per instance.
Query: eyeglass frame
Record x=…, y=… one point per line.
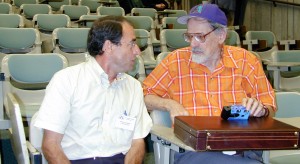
x=196, y=36
x=131, y=44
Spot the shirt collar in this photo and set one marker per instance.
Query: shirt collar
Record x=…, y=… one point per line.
x=97, y=69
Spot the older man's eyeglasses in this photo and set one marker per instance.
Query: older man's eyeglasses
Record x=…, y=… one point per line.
x=199, y=37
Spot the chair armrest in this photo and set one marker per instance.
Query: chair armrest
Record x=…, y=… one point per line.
x=165, y=143
x=34, y=154
x=166, y=137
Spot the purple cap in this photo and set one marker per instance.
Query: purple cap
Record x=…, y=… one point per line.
x=209, y=12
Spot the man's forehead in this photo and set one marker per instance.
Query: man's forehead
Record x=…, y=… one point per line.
x=198, y=20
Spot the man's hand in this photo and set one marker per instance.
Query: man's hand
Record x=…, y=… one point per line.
x=154, y=102
x=176, y=109
x=255, y=107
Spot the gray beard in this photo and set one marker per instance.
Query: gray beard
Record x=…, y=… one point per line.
x=199, y=59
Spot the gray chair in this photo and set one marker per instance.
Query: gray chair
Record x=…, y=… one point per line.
x=161, y=56
x=177, y=13
x=288, y=107
x=88, y=20
x=144, y=22
x=29, y=10
x=138, y=71
x=74, y=12
x=171, y=39
x=56, y=5
x=22, y=104
x=6, y=8
x=17, y=4
x=233, y=38
x=46, y=23
x=92, y=4
x=145, y=44
x=19, y=40
x=288, y=80
x=103, y=10
x=254, y=38
x=26, y=77
x=151, y=12
x=11, y=21
x=171, y=23
x=72, y=43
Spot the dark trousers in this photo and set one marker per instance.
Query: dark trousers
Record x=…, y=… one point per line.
x=116, y=159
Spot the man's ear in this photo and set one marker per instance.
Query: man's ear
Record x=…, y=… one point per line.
x=222, y=36
x=107, y=46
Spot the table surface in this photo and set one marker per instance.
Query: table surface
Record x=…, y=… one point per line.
x=282, y=64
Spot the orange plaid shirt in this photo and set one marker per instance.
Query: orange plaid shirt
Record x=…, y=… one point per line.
x=204, y=93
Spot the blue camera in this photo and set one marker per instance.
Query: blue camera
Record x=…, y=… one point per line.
x=235, y=112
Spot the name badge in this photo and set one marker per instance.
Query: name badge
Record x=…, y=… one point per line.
x=125, y=122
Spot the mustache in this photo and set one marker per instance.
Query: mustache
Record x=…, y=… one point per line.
x=197, y=50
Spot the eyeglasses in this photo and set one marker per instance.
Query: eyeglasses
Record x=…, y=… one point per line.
x=131, y=44
x=199, y=37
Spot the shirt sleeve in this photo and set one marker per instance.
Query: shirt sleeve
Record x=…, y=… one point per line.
x=144, y=122
x=54, y=113
x=158, y=81
x=256, y=83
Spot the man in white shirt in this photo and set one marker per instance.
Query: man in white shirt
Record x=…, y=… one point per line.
x=94, y=112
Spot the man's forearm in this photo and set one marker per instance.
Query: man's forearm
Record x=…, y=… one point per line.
x=155, y=102
x=54, y=156
x=136, y=153
x=52, y=149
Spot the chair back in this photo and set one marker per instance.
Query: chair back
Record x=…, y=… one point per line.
x=144, y=42
x=29, y=10
x=233, y=38
x=177, y=13
x=288, y=56
x=33, y=68
x=75, y=12
x=5, y=8
x=268, y=37
x=144, y=22
x=48, y=22
x=19, y=40
x=89, y=20
x=138, y=70
x=171, y=39
x=11, y=20
x=161, y=56
x=72, y=43
x=287, y=104
x=117, y=11
x=151, y=12
x=18, y=3
x=92, y=4
x=171, y=23
x=56, y=5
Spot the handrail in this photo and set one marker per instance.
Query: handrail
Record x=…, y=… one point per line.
x=283, y=2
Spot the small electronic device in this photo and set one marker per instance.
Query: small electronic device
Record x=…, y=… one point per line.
x=235, y=112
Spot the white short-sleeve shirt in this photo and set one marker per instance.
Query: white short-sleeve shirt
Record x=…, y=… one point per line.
x=81, y=104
